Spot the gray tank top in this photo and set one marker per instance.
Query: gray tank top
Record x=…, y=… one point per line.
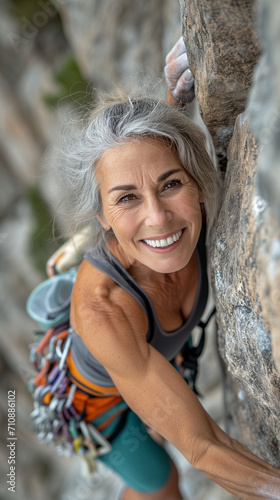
x=167, y=343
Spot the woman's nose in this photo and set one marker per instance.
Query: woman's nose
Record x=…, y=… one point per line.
x=157, y=214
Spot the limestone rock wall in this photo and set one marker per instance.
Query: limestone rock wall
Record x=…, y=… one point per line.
x=224, y=40
x=223, y=49
x=242, y=257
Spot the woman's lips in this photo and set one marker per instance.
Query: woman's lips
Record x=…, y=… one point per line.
x=165, y=242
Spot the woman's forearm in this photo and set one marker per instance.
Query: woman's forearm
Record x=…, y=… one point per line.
x=163, y=400
x=237, y=470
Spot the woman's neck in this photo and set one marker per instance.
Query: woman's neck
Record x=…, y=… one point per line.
x=140, y=271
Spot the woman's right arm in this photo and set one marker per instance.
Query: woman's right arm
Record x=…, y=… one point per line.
x=113, y=328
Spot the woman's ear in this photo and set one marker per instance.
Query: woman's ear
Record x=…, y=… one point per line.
x=103, y=222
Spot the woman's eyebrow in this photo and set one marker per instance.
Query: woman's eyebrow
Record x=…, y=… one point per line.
x=124, y=187
x=129, y=187
x=162, y=177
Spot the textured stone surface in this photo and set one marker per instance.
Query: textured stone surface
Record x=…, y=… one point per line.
x=268, y=275
x=246, y=264
x=264, y=105
x=223, y=49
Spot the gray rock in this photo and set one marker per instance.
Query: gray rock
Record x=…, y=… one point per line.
x=242, y=253
x=223, y=49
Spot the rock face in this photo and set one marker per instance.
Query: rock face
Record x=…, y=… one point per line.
x=223, y=49
x=243, y=258
x=245, y=249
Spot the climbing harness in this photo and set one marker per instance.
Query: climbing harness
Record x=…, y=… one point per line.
x=55, y=418
x=190, y=354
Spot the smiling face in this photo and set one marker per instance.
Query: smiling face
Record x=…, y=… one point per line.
x=151, y=204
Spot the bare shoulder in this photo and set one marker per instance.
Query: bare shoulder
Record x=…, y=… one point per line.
x=111, y=323
x=96, y=295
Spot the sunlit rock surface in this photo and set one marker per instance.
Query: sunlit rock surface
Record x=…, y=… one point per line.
x=224, y=40
x=246, y=263
x=223, y=43
x=223, y=49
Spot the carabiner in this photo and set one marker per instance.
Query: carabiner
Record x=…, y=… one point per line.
x=65, y=352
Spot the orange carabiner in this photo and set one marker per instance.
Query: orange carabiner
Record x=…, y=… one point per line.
x=45, y=340
x=42, y=373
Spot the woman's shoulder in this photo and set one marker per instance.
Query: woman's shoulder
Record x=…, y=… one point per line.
x=94, y=290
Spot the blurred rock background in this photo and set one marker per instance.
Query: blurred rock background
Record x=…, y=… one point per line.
x=48, y=52
x=51, y=54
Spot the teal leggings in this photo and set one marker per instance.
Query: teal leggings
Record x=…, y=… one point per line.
x=142, y=463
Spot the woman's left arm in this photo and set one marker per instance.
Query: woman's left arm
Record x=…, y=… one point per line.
x=113, y=329
x=164, y=401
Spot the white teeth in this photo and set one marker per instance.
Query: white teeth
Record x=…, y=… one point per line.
x=165, y=242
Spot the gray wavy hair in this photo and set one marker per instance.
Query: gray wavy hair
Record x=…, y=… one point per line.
x=117, y=120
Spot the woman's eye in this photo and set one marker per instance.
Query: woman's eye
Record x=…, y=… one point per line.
x=172, y=184
x=127, y=198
